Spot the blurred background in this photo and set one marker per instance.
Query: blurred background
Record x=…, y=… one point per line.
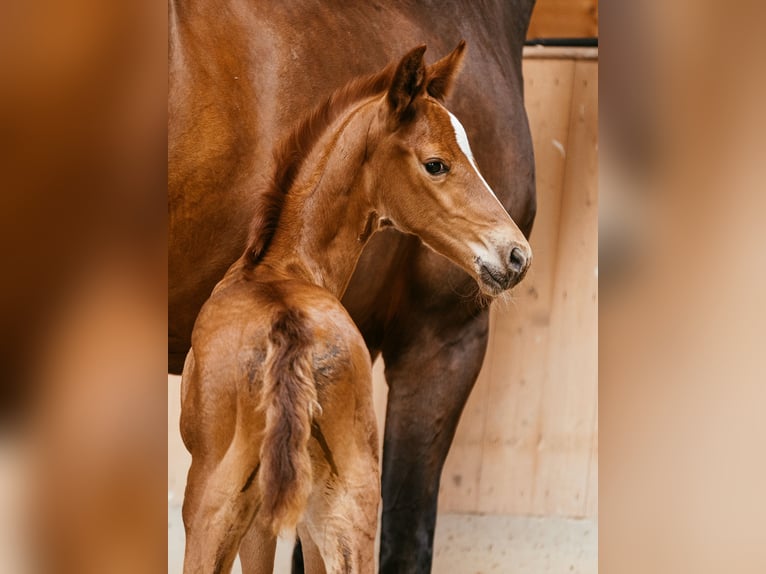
x=83, y=119
x=682, y=314
x=681, y=277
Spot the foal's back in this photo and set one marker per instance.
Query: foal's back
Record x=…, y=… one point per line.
x=235, y=330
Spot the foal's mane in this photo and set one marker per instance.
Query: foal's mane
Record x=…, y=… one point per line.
x=290, y=154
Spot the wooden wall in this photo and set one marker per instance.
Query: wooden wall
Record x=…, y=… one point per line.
x=527, y=443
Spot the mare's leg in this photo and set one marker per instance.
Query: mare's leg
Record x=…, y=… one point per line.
x=298, y=566
x=432, y=362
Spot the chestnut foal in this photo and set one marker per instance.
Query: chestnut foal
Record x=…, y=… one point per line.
x=276, y=395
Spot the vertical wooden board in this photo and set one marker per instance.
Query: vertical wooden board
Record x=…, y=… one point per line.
x=508, y=457
x=547, y=89
x=520, y=346
x=569, y=395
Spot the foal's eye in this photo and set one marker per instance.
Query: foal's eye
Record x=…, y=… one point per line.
x=435, y=167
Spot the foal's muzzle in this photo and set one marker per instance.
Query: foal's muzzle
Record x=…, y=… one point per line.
x=497, y=279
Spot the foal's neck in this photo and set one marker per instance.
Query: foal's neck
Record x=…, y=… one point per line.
x=328, y=214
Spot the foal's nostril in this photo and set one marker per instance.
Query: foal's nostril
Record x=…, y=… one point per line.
x=517, y=260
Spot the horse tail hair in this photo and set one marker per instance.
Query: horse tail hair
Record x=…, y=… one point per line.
x=289, y=401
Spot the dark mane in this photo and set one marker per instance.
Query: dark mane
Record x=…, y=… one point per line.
x=291, y=152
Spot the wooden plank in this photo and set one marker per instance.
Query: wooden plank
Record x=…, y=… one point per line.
x=570, y=391
x=564, y=19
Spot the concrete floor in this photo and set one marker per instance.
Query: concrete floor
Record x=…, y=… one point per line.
x=471, y=544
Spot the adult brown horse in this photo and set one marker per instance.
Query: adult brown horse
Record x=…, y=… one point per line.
x=241, y=74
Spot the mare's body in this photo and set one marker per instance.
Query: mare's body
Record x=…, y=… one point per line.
x=241, y=73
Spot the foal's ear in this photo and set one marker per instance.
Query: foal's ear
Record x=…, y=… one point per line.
x=408, y=82
x=442, y=74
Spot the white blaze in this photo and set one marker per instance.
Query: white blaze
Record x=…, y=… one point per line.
x=462, y=142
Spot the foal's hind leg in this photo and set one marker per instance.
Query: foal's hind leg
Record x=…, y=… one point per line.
x=342, y=514
x=219, y=507
x=342, y=524
x=311, y=557
x=256, y=553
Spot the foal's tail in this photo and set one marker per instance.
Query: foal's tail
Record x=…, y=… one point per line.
x=290, y=401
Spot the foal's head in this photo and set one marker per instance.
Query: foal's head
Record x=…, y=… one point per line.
x=427, y=183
